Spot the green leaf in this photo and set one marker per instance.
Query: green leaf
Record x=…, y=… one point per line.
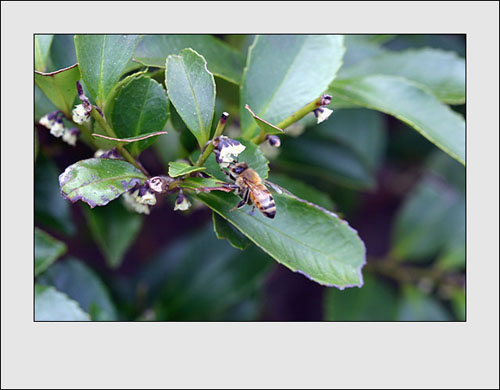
x=458, y=304
x=302, y=236
x=184, y=286
x=119, y=141
x=51, y=305
x=47, y=250
x=97, y=181
x=42, y=50
x=178, y=168
x=376, y=301
x=416, y=306
x=428, y=220
x=222, y=60
x=51, y=210
x=114, y=229
x=81, y=283
x=191, y=89
x=224, y=230
x=60, y=87
x=62, y=51
x=409, y=103
x=441, y=72
x=285, y=72
x=140, y=108
x=102, y=60
x=302, y=190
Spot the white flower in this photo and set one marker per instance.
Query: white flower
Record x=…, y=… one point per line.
x=57, y=129
x=182, y=203
x=80, y=114
x=227, y=151
x=70, y=136
x=158, y=184
x=322, y=114
x=130, y=202
x=111, y=153
x=148, y=198
x=46, y=121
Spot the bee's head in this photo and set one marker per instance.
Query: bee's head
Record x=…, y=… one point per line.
x=239, y=168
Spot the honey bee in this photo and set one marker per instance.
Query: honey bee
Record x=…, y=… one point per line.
x=251, y=188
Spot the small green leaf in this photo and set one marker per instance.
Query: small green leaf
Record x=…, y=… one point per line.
x=47, y=250
x=42, y=51
x=376, y=301
x=441, y=72
x=416, y=306
x=191, y=89
x=114, y=229
x=97, y=181
x=302, y=236
x=222, y=60
x=268, y=128
x=81, y=283
x=60, y=87
x=140, y=108
x=285, y=72
x=102, y=60
x=224, y=230
x=409, y=103
x=52, y=305
x=51, y=210
x=178, y=168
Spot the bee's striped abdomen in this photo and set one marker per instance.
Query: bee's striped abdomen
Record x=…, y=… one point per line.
x=264, y=202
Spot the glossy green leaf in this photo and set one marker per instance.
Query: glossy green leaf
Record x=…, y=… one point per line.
x=97, y=181
x=302, y=236
x=312, y=156
x=114, y=229
x=376, y=301
x=60, y=87
x=179, y=168
x=42, y=104
x=51, y=209
x=458, y=304
x=119, y=141
x=302, y=190
x=285, y=72
x=179, y=275
x=441, y=72
x=427, y=221
x=102, y=60
x=409, y=103
x=222, y=60
x=140, y=108
x=42, y=51
x=79, y=282
x=47, y=250
x=224, y=230
x=62, y=51
x=52, y=305
x=191, y=89
x=416, y=306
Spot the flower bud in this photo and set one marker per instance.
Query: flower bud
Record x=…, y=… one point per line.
x=111, y=153
x=322, y=114
x=80, y=114
x=273, y=140
x=57, y=129
x=159, y=184
x=70, y=136
x=130, y=202
x=182, y=202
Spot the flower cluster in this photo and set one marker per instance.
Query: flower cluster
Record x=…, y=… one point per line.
x=227, y=150
x=322, y=113
x=54, y=122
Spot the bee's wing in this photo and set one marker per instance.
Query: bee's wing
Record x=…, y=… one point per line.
x=251, y=185
x=277, y=188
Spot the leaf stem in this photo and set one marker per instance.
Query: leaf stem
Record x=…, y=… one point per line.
x=323, y=100
x=210, y=147
x=121, y=149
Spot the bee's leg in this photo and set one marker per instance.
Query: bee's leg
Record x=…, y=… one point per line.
x=224, y=187
x=241, y=203
x=252, y=212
